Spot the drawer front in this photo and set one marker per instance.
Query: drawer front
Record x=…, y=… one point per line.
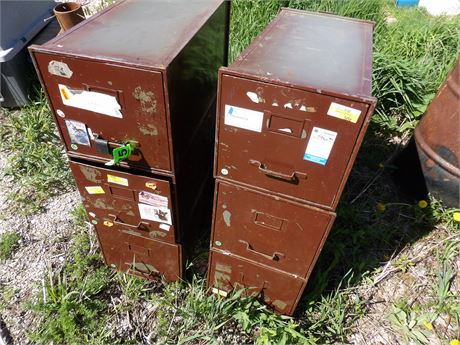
x=140, y=256
x=286, y=140
x=279, y=290
x=99, y=107
x=135, y=203
x=269, y=230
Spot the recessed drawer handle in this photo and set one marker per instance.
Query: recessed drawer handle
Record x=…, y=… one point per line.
x=139, y=226
x=275, y=257
x=294, y=176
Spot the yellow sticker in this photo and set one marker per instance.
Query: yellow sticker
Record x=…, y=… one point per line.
x=343, y=112
x=95, y=190
x=118, y=180
x=151, y=185
x=108, y=223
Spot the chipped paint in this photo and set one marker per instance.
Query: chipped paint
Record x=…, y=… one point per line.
x=223, y=268
x=155, y=234
x=304, y=134
x=279, y=304
x=100, y=203
x=221, y=276
x=131, y=213
x=227, y=215
x=142, y=267
x=147, y=99
x=150, y=129
x=91, y=174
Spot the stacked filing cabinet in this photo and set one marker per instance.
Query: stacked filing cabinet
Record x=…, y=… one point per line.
x=132, y=91
x=292, y=112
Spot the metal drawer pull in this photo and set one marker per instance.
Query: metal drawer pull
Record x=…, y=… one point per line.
x=139, y=226
x=294, y=176
x=275, y=257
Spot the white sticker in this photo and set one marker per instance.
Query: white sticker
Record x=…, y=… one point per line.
x=165, y=227
x=219, y=292
x=243, y=118
x=90, y=100
x=59, y=68
x=77, y=132
x=60, y=113
x=224, y=171
x=157, y=214
x=153, y=199
x=320, y=145
x=343, y=112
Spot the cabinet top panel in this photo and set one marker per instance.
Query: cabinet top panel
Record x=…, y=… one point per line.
x=316, y=50
x=140, y=32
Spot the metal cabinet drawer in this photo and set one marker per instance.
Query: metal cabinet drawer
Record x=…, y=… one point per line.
x=100, y=106
x=269, y=230
x=140, y=256
x=287, y=140
x=135, y=203
x=280, y=290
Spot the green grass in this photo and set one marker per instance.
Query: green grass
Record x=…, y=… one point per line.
x=8, y=244
x=35, y=155
x=72, y=303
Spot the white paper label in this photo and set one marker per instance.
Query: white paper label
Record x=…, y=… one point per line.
x=77, y=132
x=343, y=112
x=165, y=227
x=320, y=145
x=243, y=118
x=157, y=214
x=90, y=100
x=153, y=199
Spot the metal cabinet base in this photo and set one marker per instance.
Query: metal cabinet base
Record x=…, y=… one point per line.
x=131, y=253
x=280, y=290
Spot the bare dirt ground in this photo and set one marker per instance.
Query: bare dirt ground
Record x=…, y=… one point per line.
x=45, y=238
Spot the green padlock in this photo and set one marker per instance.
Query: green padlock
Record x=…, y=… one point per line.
x=122, y=152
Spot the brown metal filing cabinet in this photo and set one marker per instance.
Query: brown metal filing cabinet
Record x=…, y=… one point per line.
x=133, y=93
x=292, y=113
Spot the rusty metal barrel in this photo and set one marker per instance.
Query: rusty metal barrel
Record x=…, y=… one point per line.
x=437, y=137
x=69, y=14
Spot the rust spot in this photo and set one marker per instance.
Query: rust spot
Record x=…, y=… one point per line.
x=90, y=174
x=147, y=99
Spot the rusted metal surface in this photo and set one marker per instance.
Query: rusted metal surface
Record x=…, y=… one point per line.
x=437, y=137
x=138, y=255
x=137, y=82
x=285, y=96
x=291, y=116
x=280, y=290
x=139, y=72
x=272, y=231
x=69, y=14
